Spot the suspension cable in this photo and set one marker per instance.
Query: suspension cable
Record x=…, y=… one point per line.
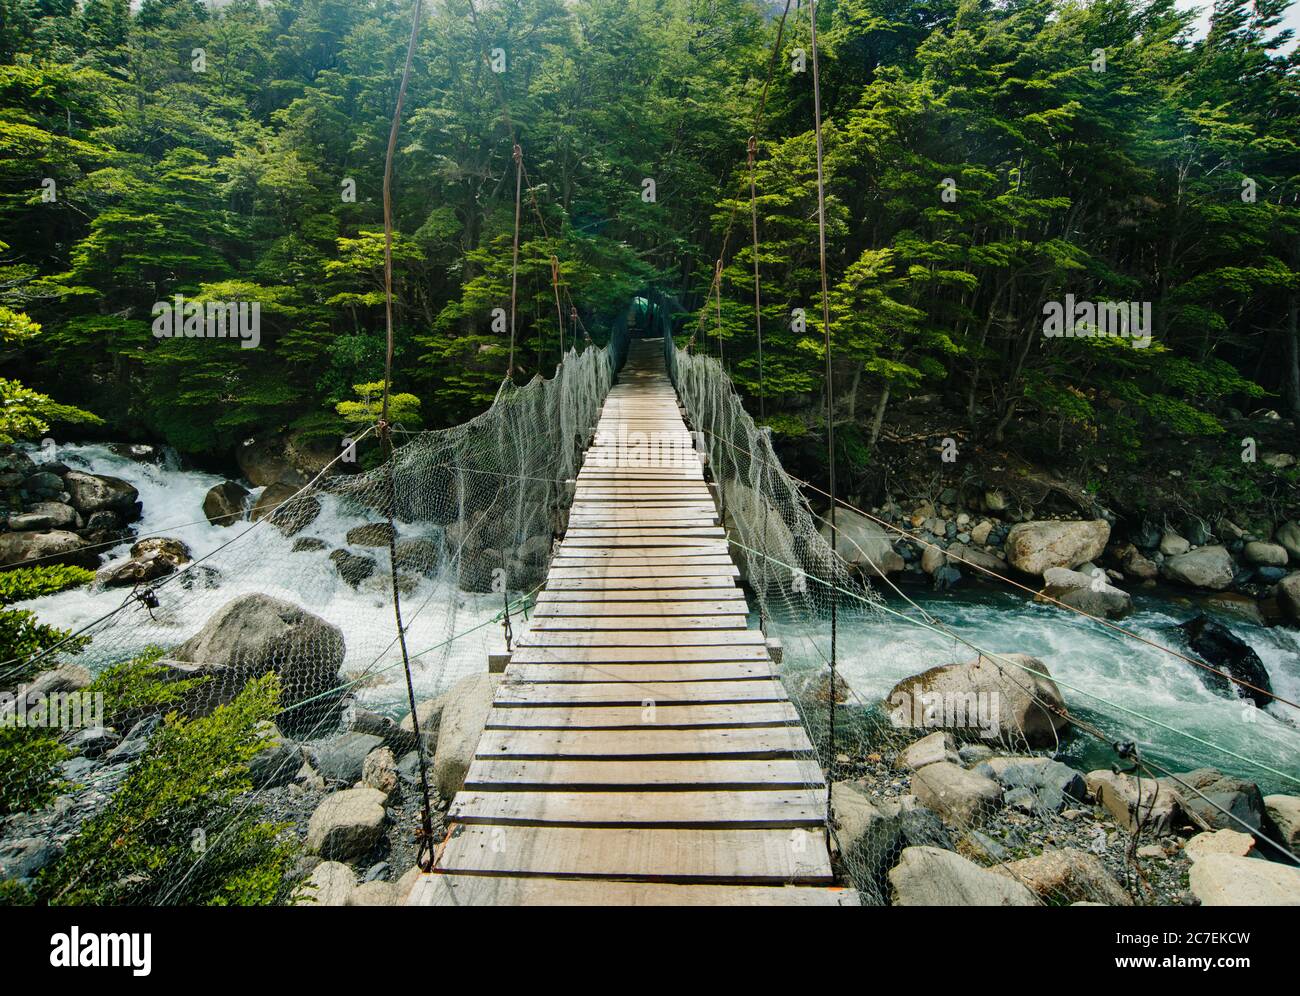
x=830, y=388
x=424, y=855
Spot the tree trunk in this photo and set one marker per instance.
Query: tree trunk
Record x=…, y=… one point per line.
x=878, y=422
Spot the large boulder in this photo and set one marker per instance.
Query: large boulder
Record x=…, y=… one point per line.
x=223, y=505
x=961, y=797
x=1067, y=875
x=1134, y=564
x=463, y=717
x=1134, y=802
x=1265, y=554
x=984, y=697
x=931, y=876
x=1208, y=567
x=1222, y=802
x=256, y=634
x=863, y=543
x=1036, y=785
x=1284, y=811
x=60, y=516
x=1288, y=596
x=871, y=835
x=289, y=511
x=347, y=825
x=1287, y=536
x=371, y=534
x=152, y=558
x=1227, y=880
x=1033, y=547
x=54, y=547
x=100, y=493
x=278, y=761
x=1093, y=595
x=331, y=884
x=1231, y=658
x=289, y=459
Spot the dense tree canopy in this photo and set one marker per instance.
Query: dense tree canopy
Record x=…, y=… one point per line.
x=982, y=158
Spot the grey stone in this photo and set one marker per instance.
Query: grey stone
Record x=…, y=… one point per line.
x=931, y=876
x=342, y=758
x=223, y=505
x=1209, y=567
x=1033, y=547
x=959, y=796
x=21, y=859
x=347, y=825
x=463, y=718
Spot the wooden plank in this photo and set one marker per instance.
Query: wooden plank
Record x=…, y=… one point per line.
x=690, y=570
x=679, y=607
x=657, y=582
x=595, y=717
x=608, y=596
x=602, y=621
x=764, y=689
x=700, y=548
x=717, y=810
x=637, y=655
x=677, y=855
x=647, y=744
x=511, y=774
x=647, y=638
x=642, y=671
x=501, y=890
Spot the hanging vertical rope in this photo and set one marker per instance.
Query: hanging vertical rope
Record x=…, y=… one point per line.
x=830, y=390
x=518, y=154
x=424, y=842
x=559, y=312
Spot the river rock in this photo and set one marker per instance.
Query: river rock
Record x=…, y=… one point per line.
x=331, y=884
x=981, y=561
x=1265, y=554
x=1033, y=547
x=347, y=825
x=421, y=554
x=98, y=492
x=371, y=534
x=277, y=763
x=1209, y=792
x=983, y=697
x=1288, y=595
x=1218, y=647
x=872, y=835
x=936, y=747
x=1209, y=567
x=379, y=771
x=289, y=511
x=292, y=458
x=1067, y=875
x=255, y=634
x=1173, y=545
x=1287, y=536
x=464, y=715
x=961, y=797
x=1284, y=811
x=54, y=547
x=1095, y=596
x=1132, y=801
x=374, y=893
x=1226, y=880
x=864, y=543
x=930, y=876
x=342, y=758
x=1134, y=564
x=1231, y=603
x=1036, y=785
x=224, y=503
x=1219, y=842
x=352, y=567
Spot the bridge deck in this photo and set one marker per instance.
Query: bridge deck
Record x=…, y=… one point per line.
x=640, y=750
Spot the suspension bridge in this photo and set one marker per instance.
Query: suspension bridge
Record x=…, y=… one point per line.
x=641, y=748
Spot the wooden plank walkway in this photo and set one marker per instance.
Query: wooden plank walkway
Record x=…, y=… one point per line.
x=640, y=749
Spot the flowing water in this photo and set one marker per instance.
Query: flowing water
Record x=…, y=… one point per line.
x=1132, y=691
x=264, y=561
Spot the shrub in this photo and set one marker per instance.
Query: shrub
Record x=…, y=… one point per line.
x=22, y=637
x=136, y=688
x=35, y=582
x=177, y=831
x=29, y=759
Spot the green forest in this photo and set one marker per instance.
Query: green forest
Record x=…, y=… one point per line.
x=982, y=159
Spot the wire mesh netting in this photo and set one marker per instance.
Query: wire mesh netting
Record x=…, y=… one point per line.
x=950, y=787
